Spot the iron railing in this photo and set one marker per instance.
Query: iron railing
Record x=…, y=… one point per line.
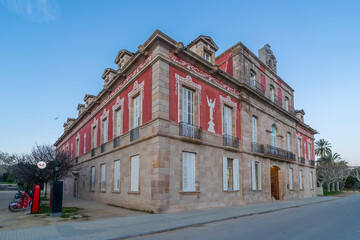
x=277, y=100
x=231, y=141
x=188, y=130
x=134, y=134
x=257, y=86
x=103, y=147
x=117, y=142
x=275, y=151
x=259, y=148
x=312, y=162
x=301, y=160
x=93, y=152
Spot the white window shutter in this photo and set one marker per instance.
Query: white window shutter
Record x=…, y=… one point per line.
x=184, y=105
x=225, y=174
x=192, y=171
x=118, y=122
x=185, y=171
x=259, y=176
x=253, y=176
x=135, y=173
x=236, y=174
x=254, y=129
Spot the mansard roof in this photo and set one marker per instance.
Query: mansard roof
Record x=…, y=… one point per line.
x=206, y=39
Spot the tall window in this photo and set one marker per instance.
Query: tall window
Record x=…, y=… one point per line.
x=118, y=122
x=134, y=173
x=311, y=180
x=256, y=175
x=103, y=177
x=188, y=172
x=288, y=141
x=77, y=153
x=301, y=179
x=299, y=147
x=207, y=57
x=94, y=135
x=117, y=175
x=105, y=130
x=92, y=187
x=309, y=151
x=231, y=174
x=71, y=151
x=227, y=121
x=290, y=178
x=252, y=79
x=84, y=142
x=272, y=97
x=137, y=111
x=254, y=129
x=273, y=136
x=187, y=106
x=286, y=104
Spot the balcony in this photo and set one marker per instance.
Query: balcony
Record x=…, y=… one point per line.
x=278, y=152
x=301, y=160
x=103, y=147
x=257, y=86
x=231, y=141
x=117, y=142
x=258, y=148
x=188, y=130
x=93, y=152
x=134, y=134
x=277, y=100
x=312, y=162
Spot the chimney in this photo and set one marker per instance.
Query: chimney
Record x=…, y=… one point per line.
x=267, y=57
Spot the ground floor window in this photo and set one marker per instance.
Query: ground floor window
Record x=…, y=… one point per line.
x=134, y=173
x=256, y=175
x=300, y=179
x=92, y=181
x=117, y=175
x=311, y=180
x=231, y=174
x=188, y=172
x=103, y=177
x=290, y=178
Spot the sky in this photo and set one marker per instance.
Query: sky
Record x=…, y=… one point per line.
x=52, y=53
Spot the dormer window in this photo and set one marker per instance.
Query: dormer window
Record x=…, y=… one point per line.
x=207, y=56
x=122, y=64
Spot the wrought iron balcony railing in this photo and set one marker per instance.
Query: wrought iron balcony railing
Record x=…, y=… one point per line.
x=301, y=160
x=276, y=99
x=257, y=86
x=134, y=134
x=259, y=148
x=231, y=141
x=103, y=147
x=116, y=142
x=188, y=130
x=278, y=152
x=312, y=162
x=93, y=152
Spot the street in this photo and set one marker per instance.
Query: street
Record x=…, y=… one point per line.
x=337, y=219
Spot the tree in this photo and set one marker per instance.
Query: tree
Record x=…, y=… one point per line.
x=322, y=147
x=330, y=157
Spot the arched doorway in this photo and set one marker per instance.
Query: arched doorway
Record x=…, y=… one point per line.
x=274, y=176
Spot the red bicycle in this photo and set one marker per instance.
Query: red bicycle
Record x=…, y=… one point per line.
x=20, y=203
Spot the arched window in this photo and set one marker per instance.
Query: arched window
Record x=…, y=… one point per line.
x=273, y=136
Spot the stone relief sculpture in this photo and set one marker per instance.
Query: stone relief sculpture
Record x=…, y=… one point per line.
x=211, y=104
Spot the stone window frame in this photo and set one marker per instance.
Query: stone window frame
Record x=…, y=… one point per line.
x=197, y=172
x=113, y=177
x=92, y=189
x=287, y=106
x=258, y=187
x=139, y=181
x=272, y=98
x=102, y=190
x=138, y=90
x=311, y=180
x=85, y=142
x=292, y=179
x=188, y=83
x=252, y=71
x=104, y=117
x=301, y=179
x=94, y=125
x=233, y=105
x=119, y=106
x=257, y=128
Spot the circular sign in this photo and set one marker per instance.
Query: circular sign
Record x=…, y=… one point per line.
x=41, y=165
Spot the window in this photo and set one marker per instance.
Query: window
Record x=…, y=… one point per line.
x=290, y=178
x=84, y=142
x=299, y=147
x=231, y=174
x=288, y=141
x=207, y=57
x=117, y=124
x=187, y=106
x=77, y=153
x=256, y=176
x=105, y=130
x=92, y=179
x=300, y=179
x=103, y=170
x=252, y=79
x=117, y=175
x=273, y=136
x=121, y=64
x=137, y=111
x=188, y=172
x=134, y=173
x=309, y=151
x=227, y=121
x=311, y=180
x=286, y=104
x=94, y=135
x=254, y=129
x=71, y=151
x=272, y=97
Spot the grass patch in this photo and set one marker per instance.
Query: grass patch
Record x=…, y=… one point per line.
x=67, y=212
x=44, y=198
x=43, y=210
x=326, y=193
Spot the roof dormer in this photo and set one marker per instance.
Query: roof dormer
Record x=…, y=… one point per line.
x=88, y=99
x=108, y=75
x=300, y=114
x=66, y=127
x=205, y=47
x=81, y=108
x=122, y=58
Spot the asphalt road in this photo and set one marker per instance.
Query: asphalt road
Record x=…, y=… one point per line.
x=338, y=220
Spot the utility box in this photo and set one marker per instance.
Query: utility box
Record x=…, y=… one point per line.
x=56, y=195
x=36, y=199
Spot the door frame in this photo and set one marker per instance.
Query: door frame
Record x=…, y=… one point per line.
x=277, y=196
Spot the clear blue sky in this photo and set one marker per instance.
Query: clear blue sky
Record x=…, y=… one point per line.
x=54, y=52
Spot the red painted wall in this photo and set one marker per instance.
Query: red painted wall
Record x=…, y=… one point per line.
x=226, y=63
x=206, y=90
x=263, y=82
x=306, y=139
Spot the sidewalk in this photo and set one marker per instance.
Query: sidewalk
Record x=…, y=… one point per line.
x=125, y=227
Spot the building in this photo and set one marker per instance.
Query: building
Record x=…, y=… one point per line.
x=177, y=128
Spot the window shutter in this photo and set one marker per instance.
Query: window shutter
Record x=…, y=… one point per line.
x=254, y=129
x=225, y=174
x=192, y=171
x=236, y=174
x=118, y=122
x=136, y=111
x=117, y=175
x=253, y=175
x=184, y=105
x=290, y=179
x=259, y=169
x=185, y=171
x=135, y=173
x=311, y=180
x=300, y=178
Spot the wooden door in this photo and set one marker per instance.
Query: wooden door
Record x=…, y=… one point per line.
x=274, y=182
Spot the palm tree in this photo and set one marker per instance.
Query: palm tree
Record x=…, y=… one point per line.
x=322, y=147
x=330, y=157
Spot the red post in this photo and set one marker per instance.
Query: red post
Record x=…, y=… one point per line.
x=36, y=199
